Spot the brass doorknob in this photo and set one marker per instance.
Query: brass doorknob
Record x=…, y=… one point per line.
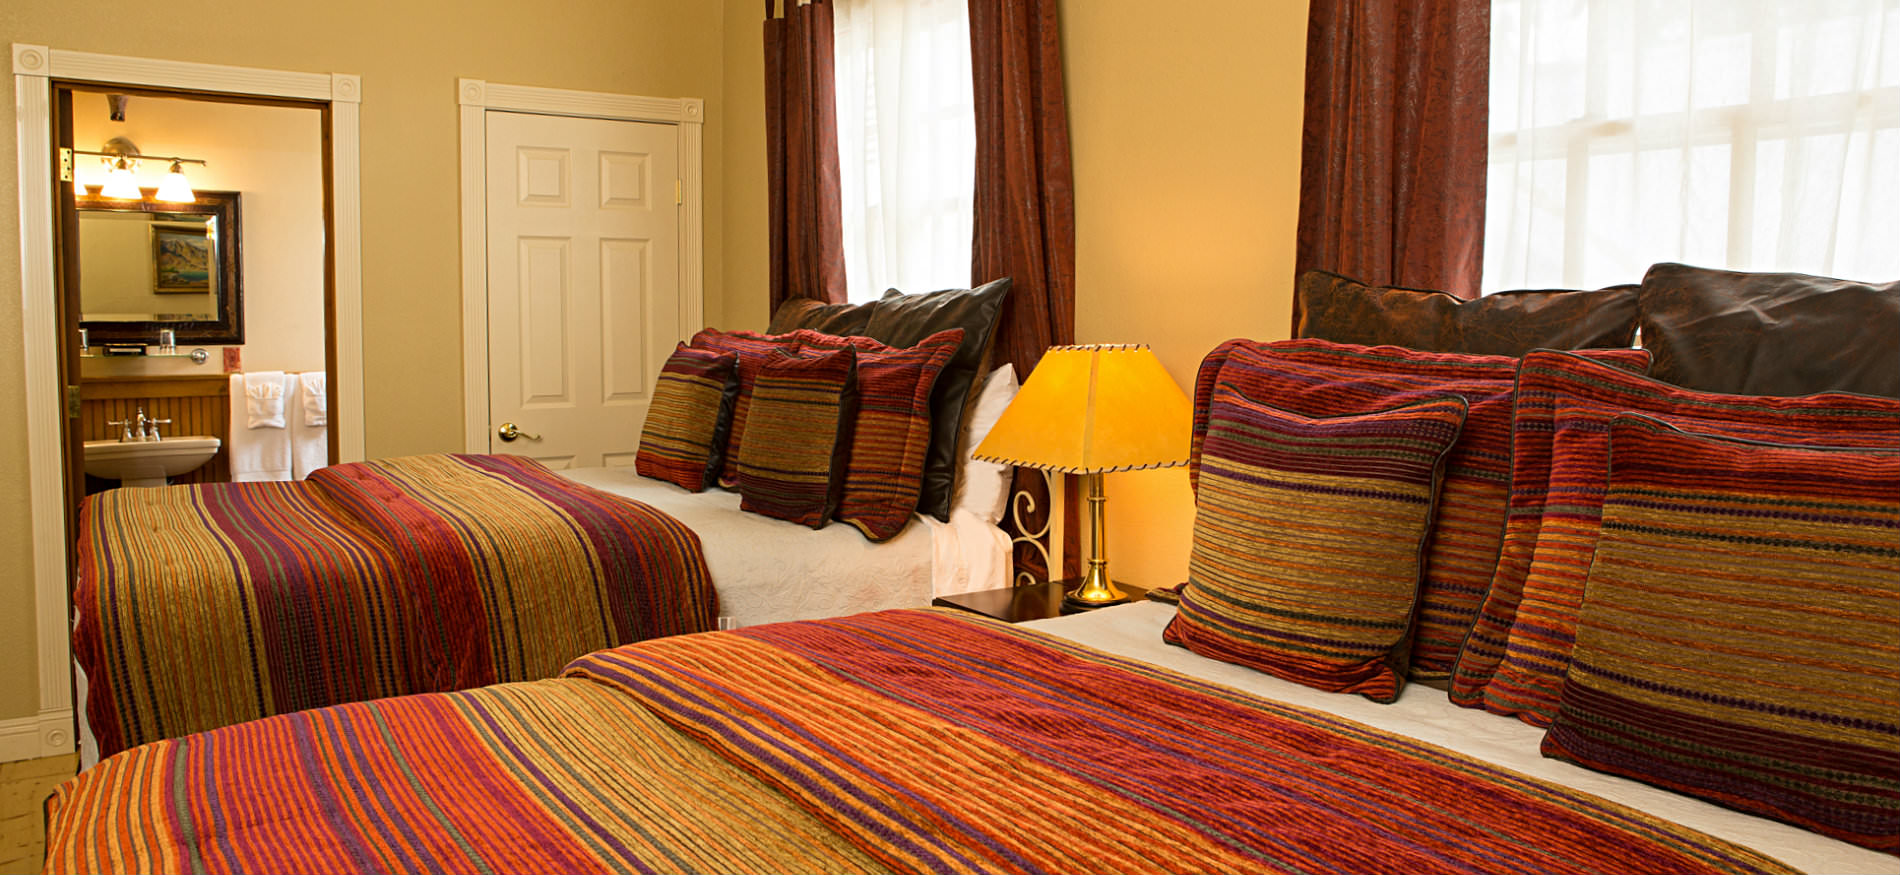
x=509, y=432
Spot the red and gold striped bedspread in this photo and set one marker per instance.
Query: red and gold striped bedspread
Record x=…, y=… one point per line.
x=917, y=741
x=202, y=606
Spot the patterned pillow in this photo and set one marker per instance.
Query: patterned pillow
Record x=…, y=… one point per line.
x=751, y=348
x=1514, y=660
x=792, y=461
x=892, y=432
x=1308, y=538
x=1737, y=635
x=684, y=439
x=1318, y=378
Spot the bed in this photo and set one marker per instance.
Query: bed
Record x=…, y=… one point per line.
x=899, y=741
x=205, y=605
x=769, y=571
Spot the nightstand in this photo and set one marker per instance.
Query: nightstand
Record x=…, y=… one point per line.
x=1018, y=604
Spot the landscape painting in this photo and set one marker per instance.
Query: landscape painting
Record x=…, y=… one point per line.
x=181, y=259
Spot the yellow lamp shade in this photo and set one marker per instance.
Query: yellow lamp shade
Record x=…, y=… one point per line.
x=1093, y=409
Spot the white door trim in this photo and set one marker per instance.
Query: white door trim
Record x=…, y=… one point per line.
x=476, y=98
x=34, y=68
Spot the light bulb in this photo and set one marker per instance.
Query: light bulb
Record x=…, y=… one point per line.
x=120, y=183
x=176, y=189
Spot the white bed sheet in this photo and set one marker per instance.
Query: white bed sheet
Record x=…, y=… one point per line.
x=1134, y=631
x=769, y=571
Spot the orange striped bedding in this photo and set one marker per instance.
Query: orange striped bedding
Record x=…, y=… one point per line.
x=207, y=605
x=904, y=741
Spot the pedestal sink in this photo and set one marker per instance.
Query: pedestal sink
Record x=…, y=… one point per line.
x=148, y=463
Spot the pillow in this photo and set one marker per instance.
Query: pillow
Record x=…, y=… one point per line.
x=891, y=432
x=1771, y=333
x=838, y=320
x=1506, y=323
x=684, y=439
x=751, y=348
x=1318, y=378
x=1737, y=635
x=1514, y=660
x=904, y=321
x=983, y=487
x=1308, y=537
x=792, y=461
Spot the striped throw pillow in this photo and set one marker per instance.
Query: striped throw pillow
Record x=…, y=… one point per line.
x=1515, y=658
x=792, y=460
x=1308, y=536
x=751, y=348
x=1319, y=378
x=684, y=439
x=1737, y=639
x=885, y=474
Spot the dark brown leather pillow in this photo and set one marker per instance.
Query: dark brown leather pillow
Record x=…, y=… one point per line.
x=1343, y=310
x=903, y=321
x=1771, y=333
x=838, y=320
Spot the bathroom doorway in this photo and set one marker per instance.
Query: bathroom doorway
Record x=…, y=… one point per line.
x=161, y=293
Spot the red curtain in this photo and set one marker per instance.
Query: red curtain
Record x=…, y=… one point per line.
x=1025, y=201
x=801, y=154
x=1393, y=151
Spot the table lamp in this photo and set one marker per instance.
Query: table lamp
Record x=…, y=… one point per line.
x=1091, y=410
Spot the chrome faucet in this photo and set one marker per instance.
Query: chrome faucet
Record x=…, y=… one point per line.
x=140, y=429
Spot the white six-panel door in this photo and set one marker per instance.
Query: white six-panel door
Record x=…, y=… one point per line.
x=583, y=282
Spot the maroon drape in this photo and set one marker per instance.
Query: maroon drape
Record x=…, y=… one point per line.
x=1025, y=199
x=1392, y=165
x=805, y=225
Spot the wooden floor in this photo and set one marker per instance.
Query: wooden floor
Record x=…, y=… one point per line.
x=24, y=787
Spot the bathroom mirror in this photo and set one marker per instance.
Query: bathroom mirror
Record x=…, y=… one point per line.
x=146, y=267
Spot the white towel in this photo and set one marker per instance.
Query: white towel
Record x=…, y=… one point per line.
x=256, y=453
x=264, y=399
x=309, y=444
x=316, y=401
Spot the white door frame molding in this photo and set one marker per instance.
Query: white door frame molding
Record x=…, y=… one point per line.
x=477, y=97
x=34, y=68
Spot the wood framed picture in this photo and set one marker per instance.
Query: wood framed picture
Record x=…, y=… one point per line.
x=181, y=259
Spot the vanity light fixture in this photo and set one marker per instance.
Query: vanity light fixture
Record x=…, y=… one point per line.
x=176, y=189
x=120, y=184
x=122, y=158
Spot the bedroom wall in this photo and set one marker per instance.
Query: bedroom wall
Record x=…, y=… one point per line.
x=1185, y=128
x=409, y=55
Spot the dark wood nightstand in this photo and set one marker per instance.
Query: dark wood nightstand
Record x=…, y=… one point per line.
x=1018, y=604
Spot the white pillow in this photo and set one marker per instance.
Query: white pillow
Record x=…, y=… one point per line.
x=983, y=487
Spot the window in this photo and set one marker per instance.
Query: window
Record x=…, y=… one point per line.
x=906, y=143
x=1749, y=134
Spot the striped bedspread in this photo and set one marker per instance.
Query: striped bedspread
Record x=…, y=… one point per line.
x=913, y=741
x=202, y=606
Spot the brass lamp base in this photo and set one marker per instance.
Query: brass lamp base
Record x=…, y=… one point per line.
x=1097, y=588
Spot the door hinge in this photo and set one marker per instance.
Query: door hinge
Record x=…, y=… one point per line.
x=72, y=402
x=65, y=164
x=676, y=193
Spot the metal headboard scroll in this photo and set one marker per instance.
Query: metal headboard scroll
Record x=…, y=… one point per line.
x=1023, y=503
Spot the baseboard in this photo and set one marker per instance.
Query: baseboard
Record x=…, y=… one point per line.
x=30, y=738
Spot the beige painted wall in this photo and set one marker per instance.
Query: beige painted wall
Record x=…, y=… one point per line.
x=1185, y=128
x=409, y=55
x=273, y=157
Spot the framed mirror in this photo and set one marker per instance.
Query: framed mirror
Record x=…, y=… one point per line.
x=146, y=266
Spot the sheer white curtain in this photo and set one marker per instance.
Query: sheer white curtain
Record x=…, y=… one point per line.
x=906, y=143
x=1748, y=134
